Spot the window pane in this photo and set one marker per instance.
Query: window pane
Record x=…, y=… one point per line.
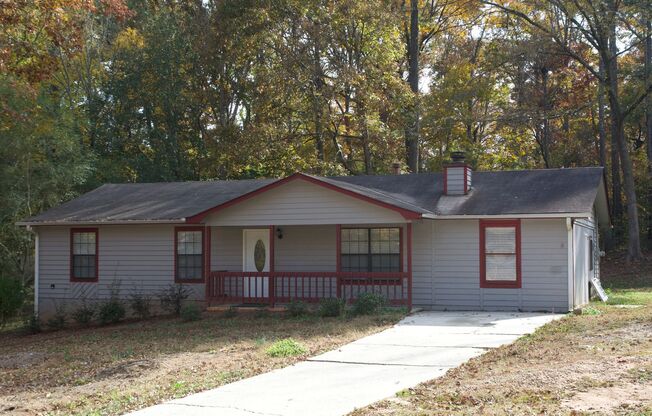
x=189, y=266
x=395, y=247
x=83, y=243
x=189, y=242
x=83, y=266
x=385, y=263
x=501, y=267
x=345, y=247
x=500, y=240
x=355, y=263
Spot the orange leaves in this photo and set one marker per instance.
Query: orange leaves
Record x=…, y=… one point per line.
x=34, y=32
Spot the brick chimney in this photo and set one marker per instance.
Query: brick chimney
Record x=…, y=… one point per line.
x=396, y=168
x=457, y=175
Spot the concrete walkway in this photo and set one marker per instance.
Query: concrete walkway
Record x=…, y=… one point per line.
x=421, y=347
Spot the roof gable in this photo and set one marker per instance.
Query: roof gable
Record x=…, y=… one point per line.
x=301, y=202
x=394, y=204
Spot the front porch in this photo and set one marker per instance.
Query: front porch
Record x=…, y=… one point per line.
x=271, y=265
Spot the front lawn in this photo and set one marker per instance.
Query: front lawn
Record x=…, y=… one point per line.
x=596, y=363
x=114, y=369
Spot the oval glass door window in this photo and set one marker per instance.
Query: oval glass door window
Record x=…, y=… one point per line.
x=259, y=255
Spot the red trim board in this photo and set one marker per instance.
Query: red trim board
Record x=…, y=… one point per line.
x=484, y=283
x=203, y=244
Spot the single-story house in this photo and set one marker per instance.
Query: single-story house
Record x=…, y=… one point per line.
x=458, y=240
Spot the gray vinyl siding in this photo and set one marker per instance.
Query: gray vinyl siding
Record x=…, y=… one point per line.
x=445, y=262
x=310, y=249
x=302, y=203
x=455, y=280
x=134, y=258
x=422, y=262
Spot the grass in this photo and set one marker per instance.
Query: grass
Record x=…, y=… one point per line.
x=115, y=369
x=598, y=362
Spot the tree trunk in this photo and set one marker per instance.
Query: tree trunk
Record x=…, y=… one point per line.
x=368, y=167
x=616, y=185
x=318, y=83
x=648, y=120
x=648, y=98
x=618, y=131
x=602, y=132
x=412, y=130
x=545, y=139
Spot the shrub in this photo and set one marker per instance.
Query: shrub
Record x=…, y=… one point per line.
x=58, y=320
x=331, y=307
x=190, y=312
x=33, y=324
x=232, y=312
x=285, y=348
x=12, y=297
x=172, y=298
x=297, y=308
x=260, y=313
x=112, y=311
x=368, y=304
x=140, y=305
x=84, y=314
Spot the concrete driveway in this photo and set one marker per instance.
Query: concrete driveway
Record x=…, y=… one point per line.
x=421, y=347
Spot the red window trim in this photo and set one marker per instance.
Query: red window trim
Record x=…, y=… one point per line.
x=204, y=253
x=73, y=231
x=484, y=283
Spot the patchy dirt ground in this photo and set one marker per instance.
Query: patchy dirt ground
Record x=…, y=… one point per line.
x=599, y=362
x=114, y=369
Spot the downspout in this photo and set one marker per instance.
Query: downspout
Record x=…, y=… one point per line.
x=36, y=269
x=571, y=268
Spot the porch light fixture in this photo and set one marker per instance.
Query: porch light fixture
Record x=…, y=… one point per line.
x=279, y=233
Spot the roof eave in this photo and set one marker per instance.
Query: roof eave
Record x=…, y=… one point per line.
x=532, y=216
x=99, y=222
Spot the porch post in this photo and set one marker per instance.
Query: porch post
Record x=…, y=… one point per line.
x=207, y=265
x=272, y=239
x=409, y=264
x=338, y=261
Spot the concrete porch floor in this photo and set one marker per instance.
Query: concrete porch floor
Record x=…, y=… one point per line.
x=421, y=347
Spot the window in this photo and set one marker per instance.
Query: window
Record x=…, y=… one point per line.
x=189, y=254
x=83, y=254
x=500, y=254
x=370, y=249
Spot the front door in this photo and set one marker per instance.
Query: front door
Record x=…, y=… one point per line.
x=255, y=252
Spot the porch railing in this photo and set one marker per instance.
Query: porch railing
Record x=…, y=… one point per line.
x=269, y=288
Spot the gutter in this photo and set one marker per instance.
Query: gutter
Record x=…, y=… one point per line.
x=37, y=273
x=570, y=265
x=102, y=222
x=534, y=216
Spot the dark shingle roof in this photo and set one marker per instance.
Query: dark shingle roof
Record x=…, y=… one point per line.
x=545, y=191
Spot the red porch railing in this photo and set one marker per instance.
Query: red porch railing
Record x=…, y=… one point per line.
x=283, y=287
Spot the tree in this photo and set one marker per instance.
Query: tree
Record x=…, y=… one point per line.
x=596, y=24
